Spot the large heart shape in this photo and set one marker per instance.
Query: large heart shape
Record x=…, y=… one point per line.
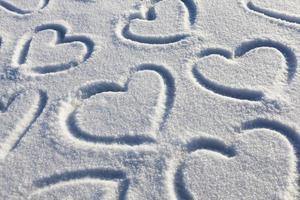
x=167, y=22
x=17, y=116
x=249, y=75
x=287, y=10
x=130, y=115
x=50, y=50
x=264, y=166
x=23, y=7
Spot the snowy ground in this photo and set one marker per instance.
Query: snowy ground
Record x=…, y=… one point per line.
x=149, y=99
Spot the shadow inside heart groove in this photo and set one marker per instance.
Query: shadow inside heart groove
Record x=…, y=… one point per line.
x=33, y=55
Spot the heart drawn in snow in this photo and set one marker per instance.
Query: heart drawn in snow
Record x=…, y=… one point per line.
x=166, y=22
x=252, y=73
x=281, y=10
x=264, y=164
x=51, y=50
x=125, y=115
x=79, y=189
x=16, y=116
x=23, y=7
x=94, y=183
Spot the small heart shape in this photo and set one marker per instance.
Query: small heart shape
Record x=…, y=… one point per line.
x=17, y=116
x=130, y=115
x=248, y=76
x=264, y=166
x=167, y=22
x=51, y=50
x=22, y=7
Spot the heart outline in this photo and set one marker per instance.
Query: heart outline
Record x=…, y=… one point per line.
x=68, y=111
x=62, y=37
x=244, y=94
x=14, y=9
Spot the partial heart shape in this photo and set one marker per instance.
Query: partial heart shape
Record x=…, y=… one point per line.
x=250, y=74
x=263, y=166
x=166, y=22
x=128, y=115
x=286, y=10
x=23, y=7
x=18, y=114
x=82, y=184
x=83, y=189
x=51, y=50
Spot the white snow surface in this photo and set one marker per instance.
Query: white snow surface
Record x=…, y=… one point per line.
x=149, y=99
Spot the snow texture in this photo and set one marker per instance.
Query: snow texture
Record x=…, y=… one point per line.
x=149, y=99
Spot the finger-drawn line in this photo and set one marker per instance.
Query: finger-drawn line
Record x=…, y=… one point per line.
x=84, y=187
x=87, y=91
x=151, y=40
x=244, y=94
x=14, y=9
x=189, y=4
x=62, y=37
x=25, y=124
x=24, y=52
x=287, y=52
x=158, y=40
x=211, y=144
x=4, y=107
x=182, y=193
x=272, y=14
x=198, y=144
x=97, y=174
x=241, y=94
x=124, y=140
x=43, y=99
x=290, y=134
x=70, y=126
x=192, y=8
x=170, y=92
x=90, y=90
x=216, y=51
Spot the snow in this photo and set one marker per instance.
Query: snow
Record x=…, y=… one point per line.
x=149, y=99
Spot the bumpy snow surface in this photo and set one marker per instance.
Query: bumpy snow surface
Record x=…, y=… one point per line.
x=149, y=99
